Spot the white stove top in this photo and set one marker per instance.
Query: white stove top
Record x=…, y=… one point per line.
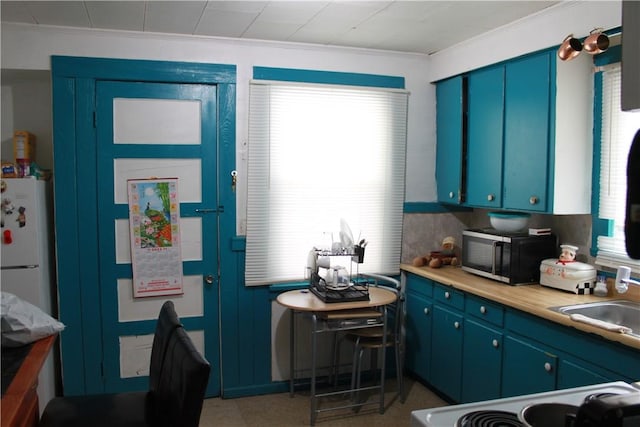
x=448, y=415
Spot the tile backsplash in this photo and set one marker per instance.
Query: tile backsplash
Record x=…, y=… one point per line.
x=424, y=232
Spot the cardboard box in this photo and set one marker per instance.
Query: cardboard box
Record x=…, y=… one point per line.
x=23, y=145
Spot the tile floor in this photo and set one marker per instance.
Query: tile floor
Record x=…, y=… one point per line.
x=280, y=410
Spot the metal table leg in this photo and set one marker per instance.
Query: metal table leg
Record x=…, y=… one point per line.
x=384, y=358
x=314, y=400
x=292, y=352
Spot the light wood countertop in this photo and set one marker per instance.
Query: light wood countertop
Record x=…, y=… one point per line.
x=534, y=299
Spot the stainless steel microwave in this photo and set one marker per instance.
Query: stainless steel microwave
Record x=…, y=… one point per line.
x=512, y=258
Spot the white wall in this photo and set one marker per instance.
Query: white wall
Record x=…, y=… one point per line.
x=538, y=31
x=28, y=47
x=42, y=42
x=26, y=105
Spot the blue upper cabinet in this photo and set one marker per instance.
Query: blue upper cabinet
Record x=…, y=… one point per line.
x=526, y=140
x=449, y=130
x=484, y=137
x=526, y=124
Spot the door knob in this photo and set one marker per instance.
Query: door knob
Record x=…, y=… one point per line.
x=208, y=279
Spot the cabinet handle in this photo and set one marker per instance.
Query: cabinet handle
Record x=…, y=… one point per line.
x=483, y=309
x=447, y=295
x=547, y=367
x=426, y=310
x=491, y=197
x=456, y=325
x=451, y=194
x=533, y=200
x=495, y=343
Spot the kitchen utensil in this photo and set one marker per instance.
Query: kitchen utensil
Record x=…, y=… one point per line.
x=548, y=415
x=574, y=276
x=597, y=42
x=346, y=236
x=508, y=221
x=570, y=48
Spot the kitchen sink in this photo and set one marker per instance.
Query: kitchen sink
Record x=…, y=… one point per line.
x=619, y=312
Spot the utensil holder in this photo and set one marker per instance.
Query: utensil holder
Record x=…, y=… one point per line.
x=359, y=254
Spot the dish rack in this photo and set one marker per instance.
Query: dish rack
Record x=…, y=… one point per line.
x=355, y=289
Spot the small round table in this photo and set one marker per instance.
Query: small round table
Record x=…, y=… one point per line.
x=335, y=317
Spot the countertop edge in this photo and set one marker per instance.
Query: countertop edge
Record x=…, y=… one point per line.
x=533, y=299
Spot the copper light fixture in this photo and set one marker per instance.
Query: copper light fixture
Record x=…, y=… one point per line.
x=570, y=48
x=597, y=42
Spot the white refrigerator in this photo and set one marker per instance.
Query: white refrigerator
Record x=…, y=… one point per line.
x=26, y=251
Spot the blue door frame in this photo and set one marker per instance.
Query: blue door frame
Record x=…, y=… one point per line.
x=74, y=82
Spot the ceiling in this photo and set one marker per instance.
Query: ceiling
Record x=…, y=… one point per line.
x=406, y=26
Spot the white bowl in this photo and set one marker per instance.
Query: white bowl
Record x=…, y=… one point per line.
x=509, y=222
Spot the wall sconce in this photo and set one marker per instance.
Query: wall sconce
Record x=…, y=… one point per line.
x=570, y=48
x=597, y=42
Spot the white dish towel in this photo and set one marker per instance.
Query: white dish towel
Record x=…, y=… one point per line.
x=600, y=324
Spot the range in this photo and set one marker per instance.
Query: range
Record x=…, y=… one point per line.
x=613, y=404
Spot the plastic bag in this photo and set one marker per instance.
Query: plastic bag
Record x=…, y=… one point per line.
x=23, y=323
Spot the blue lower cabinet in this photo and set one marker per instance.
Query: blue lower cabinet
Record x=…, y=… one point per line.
x=446, y=352
x=579, y=373
x=471, y=349
x=418, y=322
x=481, y=362
x=527, y=368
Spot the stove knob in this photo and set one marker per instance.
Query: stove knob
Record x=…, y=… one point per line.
x=547, y=367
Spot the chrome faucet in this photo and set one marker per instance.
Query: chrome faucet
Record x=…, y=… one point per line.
x=623, y=279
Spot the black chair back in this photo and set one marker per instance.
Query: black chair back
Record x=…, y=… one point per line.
x=168, y=321
x=178, y=377
x=183, y=381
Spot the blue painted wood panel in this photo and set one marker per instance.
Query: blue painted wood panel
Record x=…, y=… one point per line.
x=446, y=355
x=449, y=134
x=485, y=137
x=526, y=139
x=418, y=325
x=75, y=180
x=481, y=362
x=528, y=368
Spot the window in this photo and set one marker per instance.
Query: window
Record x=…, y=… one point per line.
x=319, y=154
x=617, y=129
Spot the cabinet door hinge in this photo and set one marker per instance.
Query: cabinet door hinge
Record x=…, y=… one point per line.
x=94, y=120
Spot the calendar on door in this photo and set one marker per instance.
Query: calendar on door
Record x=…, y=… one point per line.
x=154, y=218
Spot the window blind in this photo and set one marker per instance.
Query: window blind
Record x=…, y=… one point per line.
x=618, y=129
x=318, y=154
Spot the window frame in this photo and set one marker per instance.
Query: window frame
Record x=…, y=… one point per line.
x=302, y=76
x=600, y=226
